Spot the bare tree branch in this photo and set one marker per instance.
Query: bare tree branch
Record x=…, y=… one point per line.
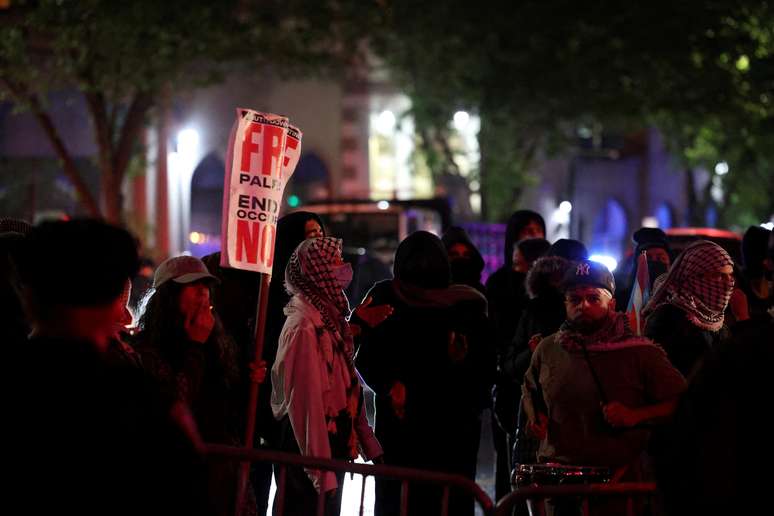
x=68, y=164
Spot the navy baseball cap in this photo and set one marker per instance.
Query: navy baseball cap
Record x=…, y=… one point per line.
x=587, y=273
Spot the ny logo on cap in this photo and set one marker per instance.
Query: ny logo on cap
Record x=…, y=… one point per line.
x=583, y=269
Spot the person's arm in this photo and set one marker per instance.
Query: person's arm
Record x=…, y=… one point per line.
x=663, y=385
x=619, y=415
x=300, y=375
x=537, y=419
x=369, y=445
x=375, y=357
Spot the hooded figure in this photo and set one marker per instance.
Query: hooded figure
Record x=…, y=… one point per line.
x=686, y=310
x=757, y=272
x=430, y=369
x=464, y=258
x=654, y=243
x=316, y=391
x=505, y=288
x=507, y=297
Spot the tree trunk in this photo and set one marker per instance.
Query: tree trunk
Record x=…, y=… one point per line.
x=85, y=196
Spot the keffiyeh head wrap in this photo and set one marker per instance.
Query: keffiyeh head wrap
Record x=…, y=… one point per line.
x=309, y=273
x=691, y=286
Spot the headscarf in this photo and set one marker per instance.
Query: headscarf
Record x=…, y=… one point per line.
x=703, y=300
x=309, y=274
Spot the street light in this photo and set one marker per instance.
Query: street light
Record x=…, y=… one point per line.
x=461, y=119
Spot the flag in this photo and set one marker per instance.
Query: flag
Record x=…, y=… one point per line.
x=640, y=294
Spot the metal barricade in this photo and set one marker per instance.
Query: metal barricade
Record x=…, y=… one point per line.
x=630, y=491
x=406, y=476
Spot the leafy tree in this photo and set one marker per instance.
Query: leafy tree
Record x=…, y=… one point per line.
x=536, y=70
x=121, y=56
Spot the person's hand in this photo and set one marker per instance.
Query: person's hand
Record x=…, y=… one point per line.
x=534, y=341
x=398, y=399
x=458, y=346
x=538, y=428
x=738, y=305
x=258, y=371
x=619, y=415
x=199, y=323
x=373, y=315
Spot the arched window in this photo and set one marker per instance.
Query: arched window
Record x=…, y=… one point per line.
x=610, y=230
x=665, y=215
x=206, y=206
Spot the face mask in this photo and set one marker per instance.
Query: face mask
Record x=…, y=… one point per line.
x=463, y=271
x=343, y=274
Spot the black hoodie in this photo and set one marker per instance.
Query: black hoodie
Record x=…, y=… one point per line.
x=505, y=288
x=464, y=271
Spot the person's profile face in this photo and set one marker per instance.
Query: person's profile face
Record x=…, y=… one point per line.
x=658, y=254
x=520, y=264
x=312, y=229
x=532, y=230
x=192, y=296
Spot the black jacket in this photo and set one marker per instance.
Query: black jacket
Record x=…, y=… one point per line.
x=684, y=342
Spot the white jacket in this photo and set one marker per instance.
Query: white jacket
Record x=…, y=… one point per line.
x=302, y=387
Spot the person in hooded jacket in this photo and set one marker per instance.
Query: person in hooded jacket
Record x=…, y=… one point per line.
x=427, y=365
x=703, y=464
x=465, y=259
x=757, y=273
x=653, y=242
x=507, y=297
x=686, y=312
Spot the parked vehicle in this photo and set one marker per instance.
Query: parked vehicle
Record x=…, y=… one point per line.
x=680, y=238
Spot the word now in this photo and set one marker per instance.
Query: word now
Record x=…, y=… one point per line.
x=255, y=242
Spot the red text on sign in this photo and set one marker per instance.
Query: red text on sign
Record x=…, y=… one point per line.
x=264, y=142
x=255, y=242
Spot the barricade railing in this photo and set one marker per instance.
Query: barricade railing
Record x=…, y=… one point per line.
x=630, y=491
x=406, y=476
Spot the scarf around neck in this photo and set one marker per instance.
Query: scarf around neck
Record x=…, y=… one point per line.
x=703, y=300
x=614, y=334
x=309, y=274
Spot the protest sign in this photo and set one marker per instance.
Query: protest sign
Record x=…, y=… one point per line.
x=262, y=155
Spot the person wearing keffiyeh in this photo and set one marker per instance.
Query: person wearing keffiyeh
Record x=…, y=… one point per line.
x=685, y=314
x=316, y=391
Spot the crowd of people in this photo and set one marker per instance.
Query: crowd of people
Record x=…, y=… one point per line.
x=112, y=392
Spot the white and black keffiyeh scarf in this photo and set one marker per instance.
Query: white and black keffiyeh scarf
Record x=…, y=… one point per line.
x=309, y=274
x=703, y=299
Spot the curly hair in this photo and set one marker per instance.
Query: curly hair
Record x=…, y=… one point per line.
x=162, y=328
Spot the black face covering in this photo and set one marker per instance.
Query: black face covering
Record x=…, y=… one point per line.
x=656, y=269
x=465, y=272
